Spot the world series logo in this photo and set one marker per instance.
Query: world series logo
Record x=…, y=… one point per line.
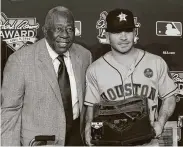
x=101, y=26
x=177, y=76
x=78, y=28
x=18, y=32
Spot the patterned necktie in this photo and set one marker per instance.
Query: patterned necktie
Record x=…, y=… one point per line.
x=64, y=84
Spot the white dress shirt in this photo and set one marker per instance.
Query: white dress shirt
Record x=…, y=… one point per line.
x=67, y=60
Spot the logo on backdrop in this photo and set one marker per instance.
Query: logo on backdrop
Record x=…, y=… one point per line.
x=177, y=76
x=101, y=26
x=78, y=28
x=18, y=32
x=168, y=28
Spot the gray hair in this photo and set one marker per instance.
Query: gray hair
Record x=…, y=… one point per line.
x=55, y=11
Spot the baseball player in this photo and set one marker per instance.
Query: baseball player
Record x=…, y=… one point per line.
x=126, y=72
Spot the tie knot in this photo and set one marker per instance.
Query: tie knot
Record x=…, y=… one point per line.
x=61, y=58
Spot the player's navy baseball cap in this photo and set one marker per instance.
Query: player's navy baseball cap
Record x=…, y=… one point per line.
x=119, y=20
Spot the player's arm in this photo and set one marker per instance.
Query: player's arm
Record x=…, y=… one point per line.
x=11, y=102
x=92, y=96
x=167, y=89
x=89, y=118
x=166, y=110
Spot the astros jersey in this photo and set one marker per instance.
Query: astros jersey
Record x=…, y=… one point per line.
x=148, y=77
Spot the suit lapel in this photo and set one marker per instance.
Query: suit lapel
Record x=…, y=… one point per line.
x=45, y=64
x=76, y=65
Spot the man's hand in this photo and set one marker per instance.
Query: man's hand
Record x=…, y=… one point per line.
x=158, y=129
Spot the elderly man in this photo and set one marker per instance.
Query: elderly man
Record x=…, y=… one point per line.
x=43, y=86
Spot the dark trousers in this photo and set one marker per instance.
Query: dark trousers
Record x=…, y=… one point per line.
x=73, y=137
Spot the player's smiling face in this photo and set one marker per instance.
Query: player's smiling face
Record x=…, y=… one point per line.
x=122, y=42
x=60, y=33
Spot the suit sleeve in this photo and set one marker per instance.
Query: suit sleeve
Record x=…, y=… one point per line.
x=91, y=59
x=92, y=92
x=11, y=102
x=166, y=84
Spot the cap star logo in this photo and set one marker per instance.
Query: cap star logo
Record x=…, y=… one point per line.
x=122, y=17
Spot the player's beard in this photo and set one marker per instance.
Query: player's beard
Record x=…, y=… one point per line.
x=125, y=52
